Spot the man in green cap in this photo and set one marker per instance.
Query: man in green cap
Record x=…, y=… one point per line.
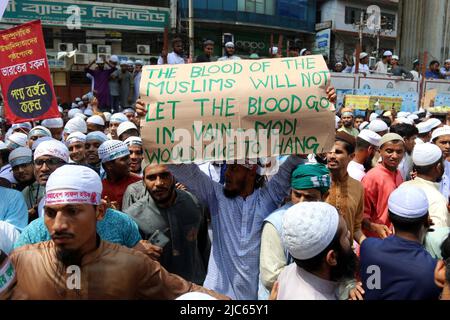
x=309, y=183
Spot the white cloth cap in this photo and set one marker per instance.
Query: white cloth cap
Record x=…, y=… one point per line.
x=39, y=141
x=72, y=112
x=371, y=137
x=77, y=99
x=21, y=155
x=424, y=127
x=88, y=112
x=130, y=63
x=139, y=63
x=426, y=154
x=395, y=57
x=96, y=136
x=53, y=148
x=23, y=125
x=373, y=116
x=75, y=137
x=362, y=55
x=39, y=131
x=434, y=123
x=73, y=184
x=81, y=104
x=387, y=53
x=443, y=131
x=195, y=296
x=408, y=201
x=303, y=51
x=96, y=119
x=107, y=116
x=17, y=139
x=114, y=58
x=80, y=115
x=125, y=126
x=74, y=125
x=118, y=118
x=53, y=123
x=308, y=228
x=363, y=125
x=229, y=44
x=378, y=126
x=402, y=114
x=111, y=150
x=405, y=120
x=413, y=117
x=336, y=120
x=129, y=110
x=133, y=141
x=274, y=50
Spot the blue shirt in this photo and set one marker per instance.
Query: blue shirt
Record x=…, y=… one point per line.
x=237, y=223
x=116, y=227
x=404, y=268
x=13, y=208
x=432, y=75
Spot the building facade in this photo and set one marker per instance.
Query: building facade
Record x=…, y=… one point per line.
x=250, y=23
x=341, y=18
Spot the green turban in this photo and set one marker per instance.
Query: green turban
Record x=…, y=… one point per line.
x=311, y=176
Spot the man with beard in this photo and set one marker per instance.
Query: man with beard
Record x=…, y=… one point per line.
x=367, y=144
x=229, y=53
x=73, y=205
x=409, y=133
x=429, y=165
x=21, y=161
x=347, y=122
x=56, y=127
x=317, y=238
x=115, y=158
x=174, y=57
x=378, y=185
x=441, y=138
x=134, y=145
x=93, y=142
x=309, y=183
x=77, y=150
x=174, y=222
x=404, y=270
x=346, y=194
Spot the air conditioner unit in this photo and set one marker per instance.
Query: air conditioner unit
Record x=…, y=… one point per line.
x=81, y=58
x=143, y=49
x=65, y=47
x=104, y=49
x=103, y=56
x=85, y=47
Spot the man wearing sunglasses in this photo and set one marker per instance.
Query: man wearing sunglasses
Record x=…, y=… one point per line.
x=48, y=156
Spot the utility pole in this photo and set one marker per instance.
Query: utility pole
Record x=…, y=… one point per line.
x=361, y=28
x=191, y=29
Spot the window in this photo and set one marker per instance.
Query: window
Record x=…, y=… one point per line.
x=257, y=6
x=353, y=15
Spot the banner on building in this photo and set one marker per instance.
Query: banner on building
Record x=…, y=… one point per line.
x=25, y=78
x=97, y=15
x=235, y=110
x=323, y=43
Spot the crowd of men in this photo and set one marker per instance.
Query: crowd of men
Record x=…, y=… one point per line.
x=367, y=220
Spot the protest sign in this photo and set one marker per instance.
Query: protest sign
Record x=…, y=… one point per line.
x=25, y=77
x=233, y=110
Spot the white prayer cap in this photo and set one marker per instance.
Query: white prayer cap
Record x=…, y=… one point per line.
x=336, y=120
x=80, y=115
x=85, y=97
x=274, y=50
x=387, y=53
x=114, y=58
x=96, y=119
x=302, y=51
x=111, y=150
x=363, y=125
x=39, y=131
x=107, y=116
x=405, y=120
x=130, y=63
x=371, y=137
x=81, y=104
x=426, y=154
x=362, y=55
x=21, y=155
x=408, y=201
x=402, y=114
x=138, y=63
x=72, y=112
x=53, y=123
x=125, y=126
x=447, y=61
x=74, y=125
x=23, y=125
x=52, y=148
x=373, y=116
x=391, y=137
x=443, y=131
x=39, y=141
x=133, y=141
x=128, y=110
x=229, y=44
x=424, y=127
x=74, y=105
x=123, y=62
x=413, y=117
x=88, y=112
x=434, y=123
x=73, y=184
x=17, y=139
x=378, y=126
x=395, y=57
x=195, y=296
x=338, y=64
x=308, y=228
x=118, y=118
x=75, y=137
x=77, y=99
x=96, y=136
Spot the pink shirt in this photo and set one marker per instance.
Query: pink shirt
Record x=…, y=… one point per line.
x=378, y=185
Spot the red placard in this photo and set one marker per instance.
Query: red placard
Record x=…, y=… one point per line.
x=25, y=76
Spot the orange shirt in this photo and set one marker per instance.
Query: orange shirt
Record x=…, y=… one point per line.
x=115, y=190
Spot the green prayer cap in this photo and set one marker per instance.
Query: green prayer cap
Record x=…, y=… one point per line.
x=311, y=176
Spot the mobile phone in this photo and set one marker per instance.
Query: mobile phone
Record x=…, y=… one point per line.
x=159, y=239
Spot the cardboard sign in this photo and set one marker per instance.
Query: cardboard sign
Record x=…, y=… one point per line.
x=24, y=74
x=234, y=110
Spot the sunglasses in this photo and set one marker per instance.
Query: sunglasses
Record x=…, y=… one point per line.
x=51, y=163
